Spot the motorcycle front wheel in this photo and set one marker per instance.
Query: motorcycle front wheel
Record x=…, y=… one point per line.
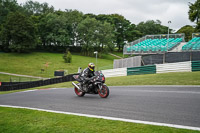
x=79, y=93
x=104, y=92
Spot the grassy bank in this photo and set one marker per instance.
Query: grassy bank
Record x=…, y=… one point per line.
x=29, y=121
x=31, y=64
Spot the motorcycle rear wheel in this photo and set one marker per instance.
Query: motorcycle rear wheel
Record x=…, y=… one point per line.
x=79, y=93
x=104, y=92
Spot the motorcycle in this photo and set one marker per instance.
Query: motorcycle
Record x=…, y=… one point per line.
x=96, y=85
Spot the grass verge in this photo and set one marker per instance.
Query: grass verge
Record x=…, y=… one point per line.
x=33, y=63
x=178, y=78
x=24, y=120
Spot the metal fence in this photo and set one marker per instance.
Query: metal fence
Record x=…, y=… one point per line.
x=171, y=57
x=127, y=62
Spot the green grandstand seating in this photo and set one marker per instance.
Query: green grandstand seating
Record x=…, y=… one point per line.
x=193, y=44
x=154, y=45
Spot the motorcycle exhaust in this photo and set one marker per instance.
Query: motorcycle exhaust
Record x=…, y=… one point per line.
x=75, y=85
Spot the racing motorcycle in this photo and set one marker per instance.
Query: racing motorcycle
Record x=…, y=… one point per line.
x=96, y=85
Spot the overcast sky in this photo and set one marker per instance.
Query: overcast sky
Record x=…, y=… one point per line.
x=134, y=10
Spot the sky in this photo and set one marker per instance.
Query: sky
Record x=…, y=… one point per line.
x=135, y=11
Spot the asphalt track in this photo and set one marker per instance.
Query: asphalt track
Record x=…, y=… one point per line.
x=178, y=105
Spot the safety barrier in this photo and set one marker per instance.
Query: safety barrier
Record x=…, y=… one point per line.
x=24, y=85
x=150, y=69
x=174, y=67
x=115, y=72
x=195, y=65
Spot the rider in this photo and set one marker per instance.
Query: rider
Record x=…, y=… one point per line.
x=87, y=74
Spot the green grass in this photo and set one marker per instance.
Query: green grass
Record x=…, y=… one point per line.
x=30, y=121
x=178, y=78
x=31, y=64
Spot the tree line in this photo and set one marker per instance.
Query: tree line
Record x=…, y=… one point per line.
x=35, y=25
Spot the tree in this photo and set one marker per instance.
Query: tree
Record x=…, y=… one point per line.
x=7, y=6
x=95, y=35
x=87, y=35
x=132, y=33
x=35, y=8
x=188, y=30
x=151, y=27
x=121, y=28
x=126, y=31
x=18, y=33
x=104, y=37
x=53, y=29
x=194, y=11
x=194, y=14
x=73, y=17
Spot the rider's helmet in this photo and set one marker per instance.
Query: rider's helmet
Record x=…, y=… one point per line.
x=91, y=66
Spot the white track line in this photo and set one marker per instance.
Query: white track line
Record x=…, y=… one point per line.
x=109, y=118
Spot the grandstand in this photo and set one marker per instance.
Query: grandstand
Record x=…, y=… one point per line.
x=158, y=44
x=194, y=44
x=152, y=44
x=160, y=49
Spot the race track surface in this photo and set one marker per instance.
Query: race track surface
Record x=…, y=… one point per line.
x=164, y=104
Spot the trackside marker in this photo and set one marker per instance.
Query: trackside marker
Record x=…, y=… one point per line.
x=109, y=118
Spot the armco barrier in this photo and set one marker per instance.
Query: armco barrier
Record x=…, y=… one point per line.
x=150, y=69
x=174, y=67
x=115, y=72
x=195, y=66
x=24, y=85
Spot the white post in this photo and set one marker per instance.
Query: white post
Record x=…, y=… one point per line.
x=96, y=52
x=168, y=35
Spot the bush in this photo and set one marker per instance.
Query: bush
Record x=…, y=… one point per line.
x=67, y=56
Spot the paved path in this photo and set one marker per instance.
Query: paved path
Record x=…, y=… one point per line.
x=178, y=105
x=116, y=56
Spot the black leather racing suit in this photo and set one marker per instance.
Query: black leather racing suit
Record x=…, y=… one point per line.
x=86, y=75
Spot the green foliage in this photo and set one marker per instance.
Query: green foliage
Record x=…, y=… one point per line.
x=67, y=57
x=194, y=11
x=121, y=28
x=188, y=30
x=7, y=6
x=95, y=34
x=74, y=17
x=18, y=33
x=86, y=31
x=151, y=27
x=35, y=8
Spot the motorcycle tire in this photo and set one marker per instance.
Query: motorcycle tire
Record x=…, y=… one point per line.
x=104, y=92
x=79, y=93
